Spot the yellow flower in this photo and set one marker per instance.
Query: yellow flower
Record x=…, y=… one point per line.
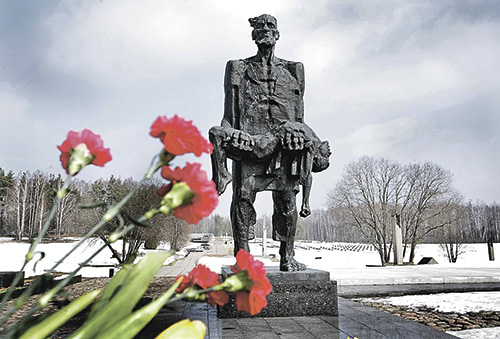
x=184, y=329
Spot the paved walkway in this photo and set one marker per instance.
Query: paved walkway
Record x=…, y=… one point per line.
x=354, y=320
x=185, y=265
x=181, y=266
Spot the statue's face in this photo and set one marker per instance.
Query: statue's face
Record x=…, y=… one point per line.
x=324, y=149
x=265, y=31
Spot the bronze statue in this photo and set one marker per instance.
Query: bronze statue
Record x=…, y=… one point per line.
x=264, y=133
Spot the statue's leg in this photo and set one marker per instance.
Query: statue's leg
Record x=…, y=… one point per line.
x=220, y=174
x=284, y=227
x=243, y=216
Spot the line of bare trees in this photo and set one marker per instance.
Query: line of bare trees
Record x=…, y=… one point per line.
x=26, y=198
x=216, y=224
x=361, y=208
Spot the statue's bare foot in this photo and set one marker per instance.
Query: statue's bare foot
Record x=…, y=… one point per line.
x=292, y=265
x=223, y=179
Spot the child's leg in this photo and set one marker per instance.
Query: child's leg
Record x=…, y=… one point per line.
x=220, y=175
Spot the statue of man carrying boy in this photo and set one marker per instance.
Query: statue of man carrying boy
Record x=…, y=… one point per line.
x=264, y=133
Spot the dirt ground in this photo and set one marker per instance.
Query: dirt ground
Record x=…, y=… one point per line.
x=158, y=286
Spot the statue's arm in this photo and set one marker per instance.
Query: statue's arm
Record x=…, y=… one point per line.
x=231, y=109
x=299, y=74
x=231, y=121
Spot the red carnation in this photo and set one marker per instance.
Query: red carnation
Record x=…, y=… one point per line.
x=180, y=136
x=83, y=148
x=204, y=278
x=254, y=300
x=205, y=195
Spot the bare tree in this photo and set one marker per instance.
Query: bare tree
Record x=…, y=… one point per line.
x=452, y=238
x=367, y=195
x=371, y=190
x=484, y=224
x=430, y=201
x=17, y=204
x=177, y=231
x=66, y=212
x=6, y=181
x=217, y=225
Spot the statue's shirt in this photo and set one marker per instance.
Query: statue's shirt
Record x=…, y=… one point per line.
x=265, y=95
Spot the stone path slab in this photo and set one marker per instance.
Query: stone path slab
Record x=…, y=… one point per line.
x=354, y=320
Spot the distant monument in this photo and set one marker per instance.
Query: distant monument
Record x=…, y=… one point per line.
x=397, y=239
x=264, y=133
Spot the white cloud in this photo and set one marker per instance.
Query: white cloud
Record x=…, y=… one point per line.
x=13, y=106
x=399, y=58
x=382, y=138
x=148, y=39
x=376, y=75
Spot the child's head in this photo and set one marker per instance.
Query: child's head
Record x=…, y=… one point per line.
x=321, y=159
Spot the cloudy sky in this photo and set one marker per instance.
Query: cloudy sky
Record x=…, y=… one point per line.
x=405, y=80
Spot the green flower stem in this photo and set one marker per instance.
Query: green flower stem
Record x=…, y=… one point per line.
x=47, y=297
x=151, y=213
x=237, y=282
x=115, y=209
x=32, y=250
x=164, y=159
x=20, y=300
x=193, y=294
x=59, y=196
x=179, y=194
x=49, y=325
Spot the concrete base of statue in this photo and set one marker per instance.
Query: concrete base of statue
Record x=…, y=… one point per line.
x=295, y=294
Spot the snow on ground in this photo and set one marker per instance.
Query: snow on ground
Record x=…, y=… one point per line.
x=449, y=302
x=485, y=333
x=316, y=255
x=12, y=254
x=329, y=256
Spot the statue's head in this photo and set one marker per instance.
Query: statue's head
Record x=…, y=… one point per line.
x=321, y=159
x=265, y=30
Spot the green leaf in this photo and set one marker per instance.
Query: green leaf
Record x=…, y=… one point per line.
x=135, y=322
x=51, y=323
x=42, y=255
x=137, y=222
x=121, y=304
x=113, y=287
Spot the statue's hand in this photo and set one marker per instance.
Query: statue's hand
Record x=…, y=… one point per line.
x=293, y=141
x=305, y=211
x=242, y=140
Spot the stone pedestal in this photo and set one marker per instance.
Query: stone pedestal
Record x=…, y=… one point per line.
x=302, y=293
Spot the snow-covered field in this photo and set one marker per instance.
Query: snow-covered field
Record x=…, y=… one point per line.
x=331, y=257
x=12, y=257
